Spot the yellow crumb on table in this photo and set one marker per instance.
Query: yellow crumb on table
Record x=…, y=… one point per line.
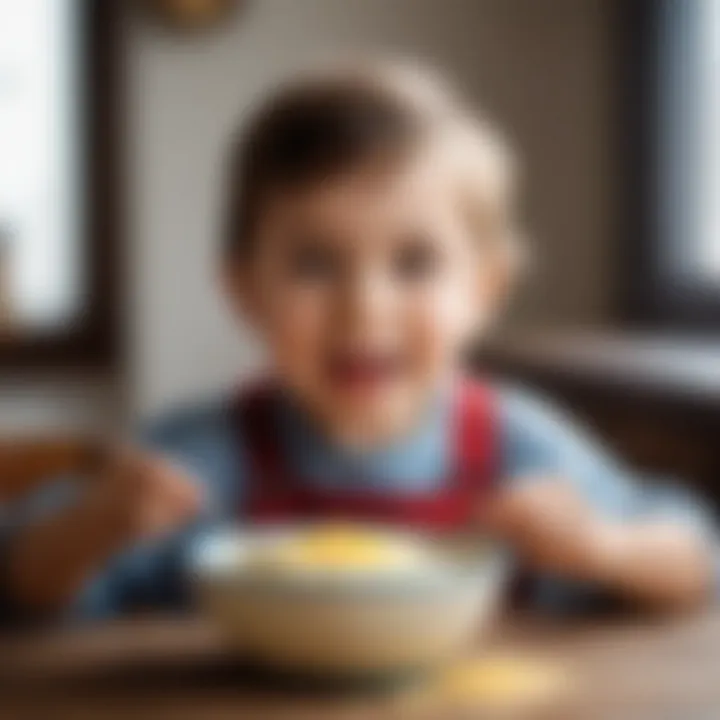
x=497, y=684
x=503, y=680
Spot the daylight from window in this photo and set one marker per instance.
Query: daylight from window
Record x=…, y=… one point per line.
x=708, y=255
x=40, y=273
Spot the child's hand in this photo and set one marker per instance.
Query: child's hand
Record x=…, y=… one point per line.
x=552, y=528
x=135, y=496
x=144, y=496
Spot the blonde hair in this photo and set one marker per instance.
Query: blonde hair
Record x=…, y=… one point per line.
x=326, y=122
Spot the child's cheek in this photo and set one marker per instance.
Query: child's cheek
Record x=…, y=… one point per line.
x=295, y=331
x=444, y=318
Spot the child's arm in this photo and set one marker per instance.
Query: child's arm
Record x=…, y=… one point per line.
x=136, y=498
x=659, y=562
x=576, y=514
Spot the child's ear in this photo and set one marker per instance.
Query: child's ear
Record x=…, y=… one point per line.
x=239, y=291
x=501, y=270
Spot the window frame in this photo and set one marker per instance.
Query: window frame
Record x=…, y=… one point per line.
x=649, y=298
x=91, y=340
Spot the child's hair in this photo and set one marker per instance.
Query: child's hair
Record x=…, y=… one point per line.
x=323, y=125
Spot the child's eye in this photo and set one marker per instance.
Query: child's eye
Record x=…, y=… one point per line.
x=417, y=259
x=312, y=262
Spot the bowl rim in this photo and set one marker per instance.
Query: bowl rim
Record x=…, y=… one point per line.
x=491, y=570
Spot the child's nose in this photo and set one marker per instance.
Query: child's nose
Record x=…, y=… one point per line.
x=366, y=301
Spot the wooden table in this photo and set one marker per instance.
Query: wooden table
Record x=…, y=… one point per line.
x=620, y=669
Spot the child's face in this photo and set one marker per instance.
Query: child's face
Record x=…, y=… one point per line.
x=365, y=289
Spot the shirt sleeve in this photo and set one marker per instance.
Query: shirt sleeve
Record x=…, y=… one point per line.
x=149, y=575
x=540, y=441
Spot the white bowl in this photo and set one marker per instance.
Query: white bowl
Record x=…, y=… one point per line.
x=365, y=622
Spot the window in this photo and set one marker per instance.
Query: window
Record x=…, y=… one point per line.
x=39, y=176
x=56, y=136
x=689, y=75
x=707, y=253
x=673, y=59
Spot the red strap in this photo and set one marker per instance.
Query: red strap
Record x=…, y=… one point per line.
x=259, y=427
x=276, y=494
x=270, y=489
x=476, y=435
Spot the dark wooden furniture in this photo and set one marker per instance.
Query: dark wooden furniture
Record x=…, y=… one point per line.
x=624, y=670
x=654, y=401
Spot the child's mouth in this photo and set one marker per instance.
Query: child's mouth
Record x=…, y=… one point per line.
x=362, y=371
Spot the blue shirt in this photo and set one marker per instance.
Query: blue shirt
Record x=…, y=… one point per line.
x=536, y=441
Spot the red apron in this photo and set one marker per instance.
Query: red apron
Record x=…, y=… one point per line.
x=275, y=494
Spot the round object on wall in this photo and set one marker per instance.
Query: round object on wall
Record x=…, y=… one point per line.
x=193, y=14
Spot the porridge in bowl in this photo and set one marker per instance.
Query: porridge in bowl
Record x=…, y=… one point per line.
x=343, y=549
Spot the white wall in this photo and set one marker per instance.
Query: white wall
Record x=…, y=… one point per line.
x=538, y=65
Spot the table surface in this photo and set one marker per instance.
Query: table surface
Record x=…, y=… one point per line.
x=645, y=669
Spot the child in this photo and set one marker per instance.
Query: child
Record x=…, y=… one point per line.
x=371, y=236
